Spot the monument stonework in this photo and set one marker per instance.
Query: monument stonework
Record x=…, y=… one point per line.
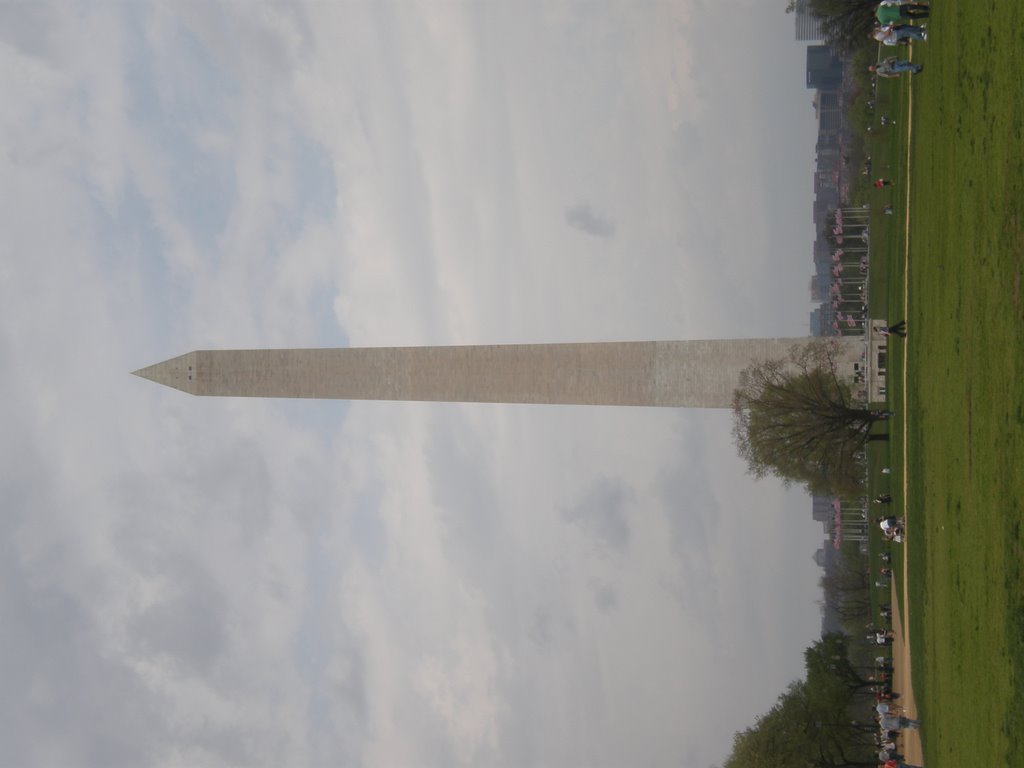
x=684, y=374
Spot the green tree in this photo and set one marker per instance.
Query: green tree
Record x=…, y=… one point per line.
x=831, y=673
x=802, y=730
x=848, y=607
x=796, y=419
x=780, y=738
x=847, y=588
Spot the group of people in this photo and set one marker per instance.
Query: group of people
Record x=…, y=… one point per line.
x=891, y=720
x=896, y=27
x=889, y=716
x=881, y=636
x=892, y=528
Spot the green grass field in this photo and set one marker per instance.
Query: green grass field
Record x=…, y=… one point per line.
x=965, y=384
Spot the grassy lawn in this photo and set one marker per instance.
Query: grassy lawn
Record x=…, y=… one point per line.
x=966, y=382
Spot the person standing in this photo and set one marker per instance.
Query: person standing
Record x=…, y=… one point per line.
x=896, y=34
x=897, y=722
x=907, y=32
x=900, y=329
x=893, y=67
x=892, y=11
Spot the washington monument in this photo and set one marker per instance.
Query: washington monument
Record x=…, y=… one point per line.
x=682, y=374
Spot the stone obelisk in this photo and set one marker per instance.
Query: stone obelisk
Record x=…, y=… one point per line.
x=690, y=374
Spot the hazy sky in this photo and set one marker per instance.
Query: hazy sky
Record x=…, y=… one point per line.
x=214, y=582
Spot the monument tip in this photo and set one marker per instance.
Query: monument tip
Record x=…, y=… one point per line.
x=177, y=373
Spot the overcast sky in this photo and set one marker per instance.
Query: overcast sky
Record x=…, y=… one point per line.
x=209, y=582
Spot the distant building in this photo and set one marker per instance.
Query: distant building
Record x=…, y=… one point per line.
x=827, y=179
x=817, y=323
x=808, y=27
x=819, y=557
x=822, y=510
x=824, y=68
x=831, y=117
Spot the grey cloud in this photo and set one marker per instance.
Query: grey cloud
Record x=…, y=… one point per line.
x=80, y=700
x=692, y=511
x=188, y=627
x=339, y=714
x=28, y=27
x=540, y=629
x=464, y=489
x=584, y=218
x=606, y=597
x=689, y=501
x=602, y=513
x=211, y=484
x=53, y=668
x=548, y=624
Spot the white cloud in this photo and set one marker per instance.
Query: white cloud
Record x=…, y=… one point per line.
x=248, y=582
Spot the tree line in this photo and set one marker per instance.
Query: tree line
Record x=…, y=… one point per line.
x=814, y=722
x=845, y=24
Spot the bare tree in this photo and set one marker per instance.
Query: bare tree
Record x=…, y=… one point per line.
x=845, y=24
x=796, y=418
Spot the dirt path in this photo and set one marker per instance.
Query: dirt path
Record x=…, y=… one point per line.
x=910, y=744
x=902, y=683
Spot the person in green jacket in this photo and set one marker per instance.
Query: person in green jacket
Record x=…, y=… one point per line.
x=892, y=11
